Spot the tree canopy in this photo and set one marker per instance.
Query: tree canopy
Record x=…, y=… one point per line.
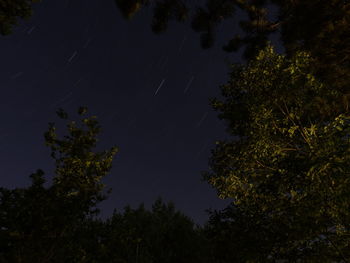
x=43, y=224
x=12, y=11
x=316, y=26
x=159, y=235
x=59, y=223
x=286, y=167
x=288, y=164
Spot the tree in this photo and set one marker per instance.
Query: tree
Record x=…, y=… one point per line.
x=236, y=236
x=10, y=11
x=161, y=235
x=39, y=224
x=316, y=26
x=287, y=168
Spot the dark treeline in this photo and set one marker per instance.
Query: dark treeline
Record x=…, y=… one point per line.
x=59, y=223
x=286, y=167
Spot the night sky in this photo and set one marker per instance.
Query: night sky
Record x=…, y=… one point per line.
x=150, y=94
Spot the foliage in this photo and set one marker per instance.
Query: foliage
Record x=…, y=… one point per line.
x=10, y=11
x=161, y=235
x=236, y=236
x=324, y=33
x=44, y=224
x=286, y=168
x=288, y=165
x=58, y=224
x=129, y=8
x=79, y=170
x=163, y=11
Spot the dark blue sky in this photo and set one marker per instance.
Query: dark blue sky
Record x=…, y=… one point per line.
x=150, y=94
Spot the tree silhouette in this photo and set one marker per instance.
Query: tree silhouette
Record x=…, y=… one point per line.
x=58, y=223
x=11, y=11
x=316, y=26
x=159, y=235
x=45, y=224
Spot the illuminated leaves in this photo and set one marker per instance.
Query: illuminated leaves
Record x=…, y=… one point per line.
x=79, y=170
x=45, y=224
x=289, y=160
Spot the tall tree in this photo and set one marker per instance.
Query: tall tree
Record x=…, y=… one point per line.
x=11, y=11
x=287, y=166
x=45, y=224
